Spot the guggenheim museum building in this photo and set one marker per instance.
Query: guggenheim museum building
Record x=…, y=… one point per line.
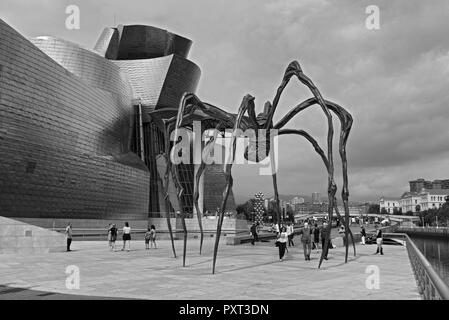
x=77, y=142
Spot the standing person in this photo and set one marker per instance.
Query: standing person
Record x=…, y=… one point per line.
x=147, y=239
x=290, y=234
x=111, y=237
x=363, y=233
x=126, y=237
x=153, y=236
x=68, y=232
x=316, y=237
x=342, y=233
x=254, y=234
x=306, y=240
x=282, y=242
x=323, y=239
x=379, y=240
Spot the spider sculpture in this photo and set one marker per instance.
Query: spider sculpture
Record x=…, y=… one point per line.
x=193, y=109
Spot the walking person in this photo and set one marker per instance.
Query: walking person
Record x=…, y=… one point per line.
x=281, y=242
x=147, y=239
x=363, y=233
x=316, y=237
x=112, y=236
x=324, y=232
x=254, y=235
x=306, y=239
x=290, y=234
x=379, y=240
x=114, y=232
x=153, y=236
x=68, y=232
x=126, y=237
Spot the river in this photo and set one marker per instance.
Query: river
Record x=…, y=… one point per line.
x=437, y=252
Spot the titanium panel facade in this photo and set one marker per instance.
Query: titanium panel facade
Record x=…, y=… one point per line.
x=64, y=141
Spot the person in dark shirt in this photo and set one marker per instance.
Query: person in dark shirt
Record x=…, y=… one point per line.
x=306, y=240
x=379, y=240
x=254, y=234
x=363, y=234
x=324, y=232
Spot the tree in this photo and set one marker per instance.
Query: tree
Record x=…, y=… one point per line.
x=374, y=208
x=383, y=211
x=246, y=209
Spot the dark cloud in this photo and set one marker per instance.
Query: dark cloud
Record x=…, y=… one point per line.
x=393, y=80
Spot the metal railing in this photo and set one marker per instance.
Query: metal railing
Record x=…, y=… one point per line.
x=430, y=284
x=426, y=231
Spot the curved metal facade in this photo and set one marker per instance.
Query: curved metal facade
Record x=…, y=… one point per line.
x=68, y=126
x=89, y=66
x=64, y=137
x=133, y=42
x=155, y=62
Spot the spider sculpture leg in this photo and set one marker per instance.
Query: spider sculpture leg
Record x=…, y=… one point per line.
x=206, y=151
x=176, y=179
x=172, y=169
x=275, y=187
x=346, y=123
x=248, y=102
x=161, y=162
x=189, y=104
x=295, y=69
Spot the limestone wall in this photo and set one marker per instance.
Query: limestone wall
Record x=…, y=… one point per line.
x=19, y=237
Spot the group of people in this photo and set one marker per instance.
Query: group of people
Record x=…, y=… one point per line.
x=150, y=236
x=310, y=239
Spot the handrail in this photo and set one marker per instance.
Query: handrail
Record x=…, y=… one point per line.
x=430, y=284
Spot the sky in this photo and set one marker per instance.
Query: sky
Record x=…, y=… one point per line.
x=393, y=80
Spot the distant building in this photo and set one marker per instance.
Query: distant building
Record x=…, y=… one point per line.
x=316, y=197
x=419, y=184
x=410, y=201
x=389, y=204
x=433, y=199
x=311, y=208
x=297, y=200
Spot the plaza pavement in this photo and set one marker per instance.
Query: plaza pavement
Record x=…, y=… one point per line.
x=242, y=272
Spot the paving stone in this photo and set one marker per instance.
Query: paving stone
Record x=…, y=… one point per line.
x=242, y=272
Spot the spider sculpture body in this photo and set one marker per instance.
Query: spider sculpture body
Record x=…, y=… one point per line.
x=259, y=147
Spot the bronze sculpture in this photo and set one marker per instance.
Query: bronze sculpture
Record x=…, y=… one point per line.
x=192, y=108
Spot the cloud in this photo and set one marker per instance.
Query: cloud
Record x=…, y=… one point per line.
x=392, y=80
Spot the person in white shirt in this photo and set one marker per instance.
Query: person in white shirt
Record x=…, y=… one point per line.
x=282, y=243
x=126, y=237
